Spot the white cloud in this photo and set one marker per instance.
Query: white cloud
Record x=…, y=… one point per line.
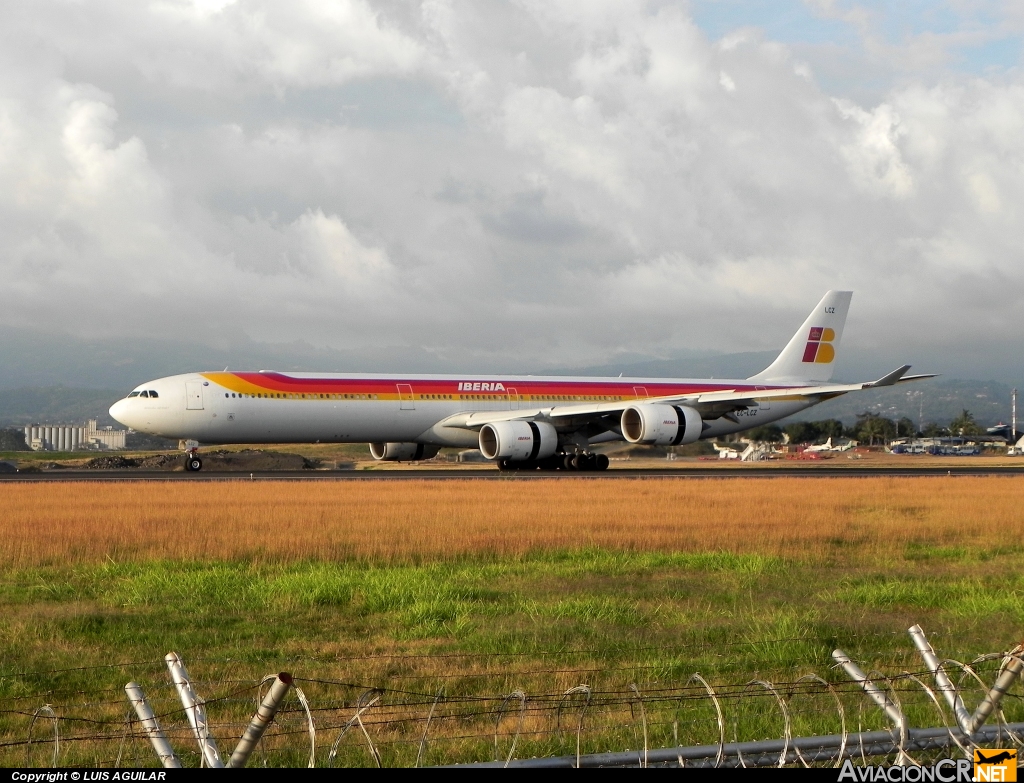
x=531, y=182
x=326, y=242
x=873, y=158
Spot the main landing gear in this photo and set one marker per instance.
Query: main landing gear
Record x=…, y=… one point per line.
x=192, y=461
x=582, y=462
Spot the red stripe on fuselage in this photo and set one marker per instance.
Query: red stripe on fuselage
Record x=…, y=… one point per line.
x=276, y=382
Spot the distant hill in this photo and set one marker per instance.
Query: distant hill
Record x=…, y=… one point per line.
x=940, y=401
x=937, y=400
x=30, y=358
x=56, y=405
x=55, y=378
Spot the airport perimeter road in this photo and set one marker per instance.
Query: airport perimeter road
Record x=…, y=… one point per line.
x=959, y=469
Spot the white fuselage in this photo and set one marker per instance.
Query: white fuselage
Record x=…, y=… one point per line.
x=230, y=407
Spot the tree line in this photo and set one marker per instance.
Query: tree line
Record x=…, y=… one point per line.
x=869, y=428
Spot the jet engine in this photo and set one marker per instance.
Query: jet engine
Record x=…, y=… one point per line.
x=402, y=452
x=661, y=425
x=518, y=440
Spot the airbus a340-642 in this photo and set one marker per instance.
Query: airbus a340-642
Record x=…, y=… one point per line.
x=521, y=422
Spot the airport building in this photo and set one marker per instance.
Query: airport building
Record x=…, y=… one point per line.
x=74, y=437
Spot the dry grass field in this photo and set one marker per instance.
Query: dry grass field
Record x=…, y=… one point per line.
x=418, y=521
x=483, y=587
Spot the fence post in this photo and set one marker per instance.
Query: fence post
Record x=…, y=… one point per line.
x=264, y=715
x=994, y=696
x=195, y=710
x=876, y=694
x=152, y=727
x=949, y=691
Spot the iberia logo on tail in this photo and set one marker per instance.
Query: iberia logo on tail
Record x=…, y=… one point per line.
x=819, y=348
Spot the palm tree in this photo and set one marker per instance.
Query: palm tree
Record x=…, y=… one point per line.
x=964, y=424
x=872, y=427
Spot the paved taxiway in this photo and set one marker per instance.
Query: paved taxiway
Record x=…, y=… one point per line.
x=496, y=475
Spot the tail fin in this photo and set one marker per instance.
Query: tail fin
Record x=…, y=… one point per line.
x=810, y=355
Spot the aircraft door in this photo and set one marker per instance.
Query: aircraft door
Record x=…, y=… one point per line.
x=641, y=392
x=513, y=399
x=193, y=396
x=405, y=398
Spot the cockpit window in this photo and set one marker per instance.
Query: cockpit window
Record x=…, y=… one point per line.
x=144, y=394
x=134, y=394
x=153, y=393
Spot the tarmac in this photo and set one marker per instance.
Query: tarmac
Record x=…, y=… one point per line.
x=493, y=474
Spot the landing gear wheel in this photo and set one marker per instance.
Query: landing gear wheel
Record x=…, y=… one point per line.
x=193, y=464
x=601, y=462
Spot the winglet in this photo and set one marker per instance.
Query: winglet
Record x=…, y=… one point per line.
x=889, y=380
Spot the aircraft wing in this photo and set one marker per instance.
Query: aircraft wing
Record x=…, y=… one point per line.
x=710, y=405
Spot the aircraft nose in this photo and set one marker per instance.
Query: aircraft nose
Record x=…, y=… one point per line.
x=119, y=412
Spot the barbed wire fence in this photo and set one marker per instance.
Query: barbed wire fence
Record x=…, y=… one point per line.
x=928, y=709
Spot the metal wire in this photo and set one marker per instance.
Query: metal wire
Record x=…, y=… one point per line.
x=400, y=721
x=46, y=708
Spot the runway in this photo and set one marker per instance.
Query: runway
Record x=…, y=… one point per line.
x=492, y=474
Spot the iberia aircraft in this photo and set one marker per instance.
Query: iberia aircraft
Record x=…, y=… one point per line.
x=532, y=422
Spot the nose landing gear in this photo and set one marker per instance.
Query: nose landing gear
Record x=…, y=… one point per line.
x=192, y=461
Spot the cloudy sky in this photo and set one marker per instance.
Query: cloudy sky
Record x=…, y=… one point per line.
x=535, y=182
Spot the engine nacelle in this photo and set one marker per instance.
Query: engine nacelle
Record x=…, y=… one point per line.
x=518, y=440
x=402, y=452
x=661, y=425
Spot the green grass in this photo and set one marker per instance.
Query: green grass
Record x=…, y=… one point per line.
x=542, y=623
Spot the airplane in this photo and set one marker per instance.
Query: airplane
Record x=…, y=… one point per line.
x=826, y=446
x=519, y=422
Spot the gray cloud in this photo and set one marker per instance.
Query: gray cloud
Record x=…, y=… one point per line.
x=539, y=182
